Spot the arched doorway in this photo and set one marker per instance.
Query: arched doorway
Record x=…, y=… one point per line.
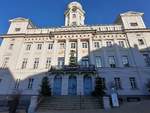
x=57, y=85
x=72, y=85
x=87, y=85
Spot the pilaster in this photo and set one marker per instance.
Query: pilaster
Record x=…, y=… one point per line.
x=67, y=51
x=91, y=54
x=55, y=56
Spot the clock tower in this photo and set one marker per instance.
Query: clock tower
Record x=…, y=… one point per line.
x=74, y=15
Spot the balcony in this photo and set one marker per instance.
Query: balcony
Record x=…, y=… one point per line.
x=73, y=69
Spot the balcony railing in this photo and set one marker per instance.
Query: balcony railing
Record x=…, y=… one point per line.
x=65, y=69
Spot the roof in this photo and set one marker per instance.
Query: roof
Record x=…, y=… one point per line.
x=131, y=13
x=19, y=19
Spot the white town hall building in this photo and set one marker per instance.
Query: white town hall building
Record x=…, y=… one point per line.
x=118, y=53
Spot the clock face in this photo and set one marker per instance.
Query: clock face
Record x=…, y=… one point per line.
x=74, y=9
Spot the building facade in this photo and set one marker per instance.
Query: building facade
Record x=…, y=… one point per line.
x=118, y=53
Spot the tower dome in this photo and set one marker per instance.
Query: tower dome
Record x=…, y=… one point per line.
x=74, y=15
x=74, y=4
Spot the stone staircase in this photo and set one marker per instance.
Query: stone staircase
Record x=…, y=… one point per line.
x=70, y=103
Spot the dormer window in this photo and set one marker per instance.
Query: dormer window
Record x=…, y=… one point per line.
x=17, y=29
x=134, y=24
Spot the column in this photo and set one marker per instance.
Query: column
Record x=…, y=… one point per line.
x=79, y=57
x=67, y=51
x=55, y=56
x=91, y=54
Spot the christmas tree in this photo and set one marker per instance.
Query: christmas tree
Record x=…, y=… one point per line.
x=45, y=87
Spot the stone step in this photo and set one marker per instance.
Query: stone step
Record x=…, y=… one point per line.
x=70, y=103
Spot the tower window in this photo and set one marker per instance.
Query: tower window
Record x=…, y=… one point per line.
x=74, y=16
x=74, y=23
x=134, y=24
x=17, y=29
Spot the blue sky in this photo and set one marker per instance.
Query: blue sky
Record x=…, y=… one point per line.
x=47, y=13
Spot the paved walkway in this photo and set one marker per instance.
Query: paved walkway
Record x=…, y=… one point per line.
x=130, y=107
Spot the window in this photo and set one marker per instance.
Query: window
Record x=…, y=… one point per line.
x=84, y=45
x=17, y=29
x=28, y=47
x=98, y=61
x=133, y=82
x=103, y=83
x=96, y=44
x=73, y=45
x=134, y=24
x=39, y=46
x=141, y=42
x=74, y=23
x=11, y=46
x=62, y=45
x=125, y=61
x=85, y=62
x=146, y=59
x=36, y=63
x=121, y=43
x=50, y=46
x=111, y=61
x=5, y=62
x=30, y=83
x=109, y=43
x=74, y=15
x=60, y=62
x=48, y=63
x=24, y=63
x=17, y=82
x=117, y=82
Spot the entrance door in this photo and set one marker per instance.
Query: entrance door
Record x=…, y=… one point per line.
x=72, y=85
x=57, y=85
x=87, y=85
